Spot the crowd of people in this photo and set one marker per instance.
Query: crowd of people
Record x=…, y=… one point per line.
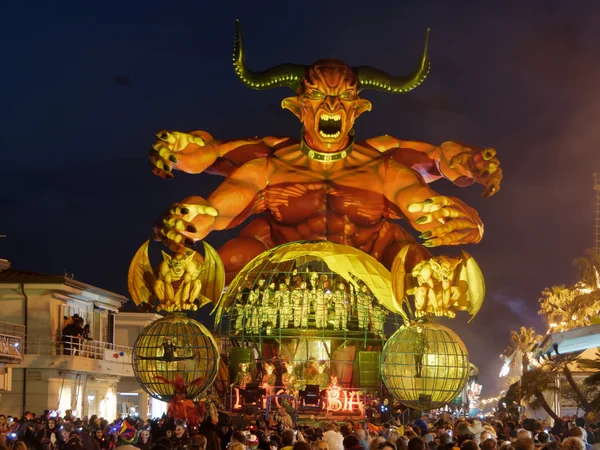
x=51, y=432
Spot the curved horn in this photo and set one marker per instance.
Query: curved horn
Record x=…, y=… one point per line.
x=371, y=78
x=288, y=75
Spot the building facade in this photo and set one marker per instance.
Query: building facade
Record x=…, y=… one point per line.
x=57, y=372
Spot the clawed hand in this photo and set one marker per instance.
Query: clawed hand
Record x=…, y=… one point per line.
x=482, y=166
x=185, y=223
x=459, y=224
x=163, y=155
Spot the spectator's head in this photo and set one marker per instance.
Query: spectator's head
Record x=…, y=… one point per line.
x=416, y=443
x=524, y=443
x=301, y=446
x=489, y=444
x=198, y=442
x=402, y=443
x=573, y=443
x=350, y=441
x=386, y=445
x=484, y=436
x=543, y=437
x=238, y=436
x=445, y=439
x=576, y=432
x=469, y=445
x=552, y=446
x=360, y=434
x=580, y=421
x=345, y=430
x=322, y=445
x=287, y=437
x=523, y=434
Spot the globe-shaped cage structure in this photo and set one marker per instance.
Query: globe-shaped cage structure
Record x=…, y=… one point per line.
x=308, y=288
x=425, y=366
x=175, y=347
x=317, y=305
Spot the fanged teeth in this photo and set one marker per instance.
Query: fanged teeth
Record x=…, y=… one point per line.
x=328, y=117
x=334, y=135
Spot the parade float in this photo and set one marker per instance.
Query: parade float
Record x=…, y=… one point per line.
x=330, y=302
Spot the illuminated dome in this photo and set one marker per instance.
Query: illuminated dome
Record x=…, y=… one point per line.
x=172, y=347
x=308, y=287
x=425, y=366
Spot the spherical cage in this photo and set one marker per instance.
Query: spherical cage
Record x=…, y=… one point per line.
x=425, y=366
x=172, y=347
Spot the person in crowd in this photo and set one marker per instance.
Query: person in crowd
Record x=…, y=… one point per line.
x=489, y=444
x=573, y=443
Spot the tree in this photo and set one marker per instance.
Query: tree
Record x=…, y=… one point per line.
x=561, y=364
x=522, y=341
x=534, y=383
x=588, y=267
x=593, y=381
x=574, y=306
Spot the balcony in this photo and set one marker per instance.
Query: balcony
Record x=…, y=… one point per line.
x=76, y=354
x=11, y=343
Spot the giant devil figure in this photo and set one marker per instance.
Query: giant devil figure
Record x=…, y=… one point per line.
x=323, y=186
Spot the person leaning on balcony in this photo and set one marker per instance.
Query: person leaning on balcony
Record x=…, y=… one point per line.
x=71, y=333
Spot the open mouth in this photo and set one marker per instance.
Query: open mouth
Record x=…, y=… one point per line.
x=330, y=126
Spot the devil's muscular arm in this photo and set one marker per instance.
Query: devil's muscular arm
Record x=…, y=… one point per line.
x=198, y=151
x=237, y=198
x=442, y=220
x=460, y=164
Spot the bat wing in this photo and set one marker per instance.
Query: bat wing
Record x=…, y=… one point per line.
x=212, y=276
x=140, y=277
x=471, y=280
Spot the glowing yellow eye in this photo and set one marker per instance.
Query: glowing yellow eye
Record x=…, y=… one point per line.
x=317, y=94
x=346, y=95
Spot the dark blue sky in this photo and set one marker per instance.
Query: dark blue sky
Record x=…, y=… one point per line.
x=77, y=194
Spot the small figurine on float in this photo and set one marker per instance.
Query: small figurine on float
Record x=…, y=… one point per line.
x=255, y=310
x=240, y=309
x=321, y=307
x=271, y=305
x=289, y=379
x=321, y=378
x=340, y=307
x=379, y=316
x=364, y=300
x=243, y=377
x=312, y=276
x=283, y=297
x=269, y=378
x=298, y=297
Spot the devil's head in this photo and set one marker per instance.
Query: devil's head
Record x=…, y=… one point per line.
x=327, y=101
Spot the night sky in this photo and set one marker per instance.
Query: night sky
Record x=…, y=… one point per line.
x=87, y=84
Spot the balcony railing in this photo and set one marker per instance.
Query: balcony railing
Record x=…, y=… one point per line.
x=79, y=347
x=11, y=342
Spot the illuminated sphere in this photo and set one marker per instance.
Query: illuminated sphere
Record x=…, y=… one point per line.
x=425, y=366
x=175, y=346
